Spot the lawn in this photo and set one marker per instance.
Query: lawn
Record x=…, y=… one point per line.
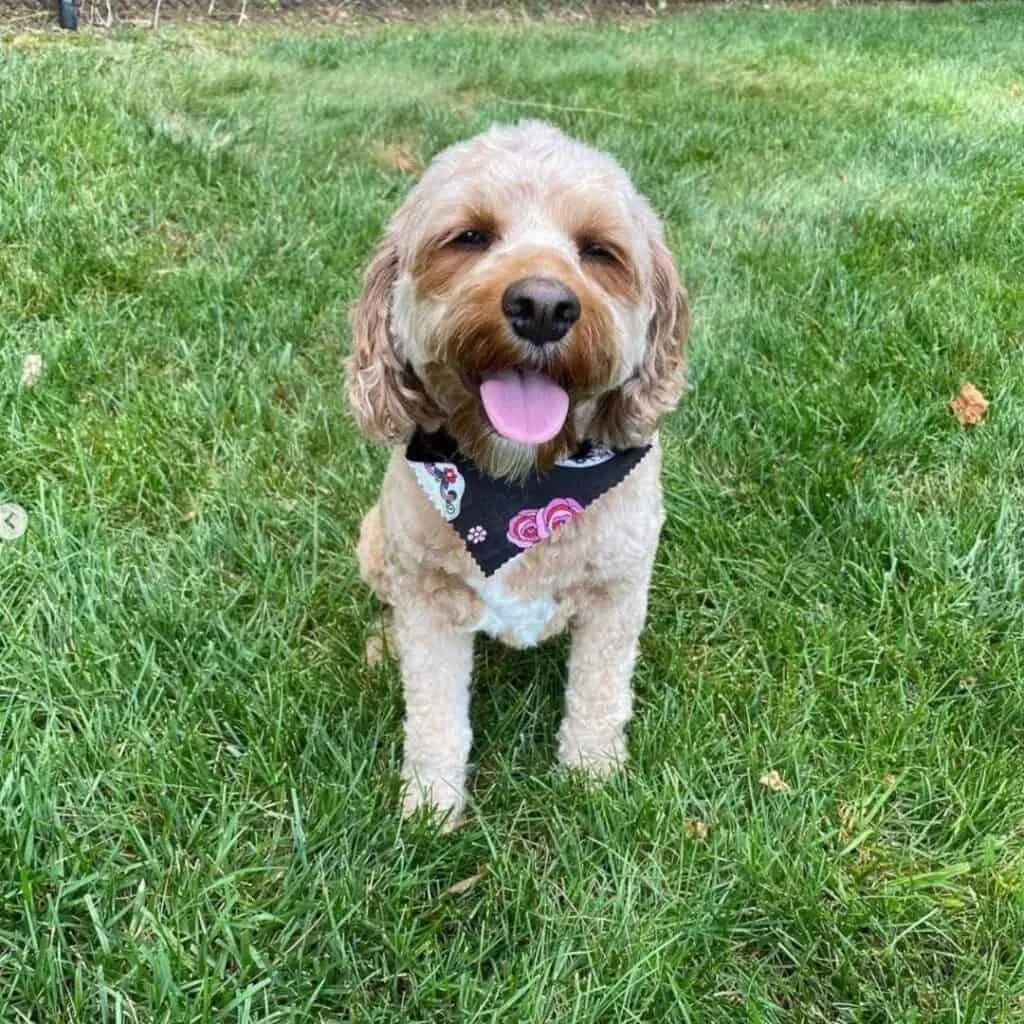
x=198, y=769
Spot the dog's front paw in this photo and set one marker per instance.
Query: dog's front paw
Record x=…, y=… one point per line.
x=440, y=797
x=596, y=755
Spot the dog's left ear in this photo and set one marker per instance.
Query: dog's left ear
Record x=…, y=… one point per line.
x=386, y=399
x=629, y=415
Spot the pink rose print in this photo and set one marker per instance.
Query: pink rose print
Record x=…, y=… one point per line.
x=523, y=530
x=558, y=512
x=531, y=525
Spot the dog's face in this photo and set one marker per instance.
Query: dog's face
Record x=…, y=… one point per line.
x=522, y=298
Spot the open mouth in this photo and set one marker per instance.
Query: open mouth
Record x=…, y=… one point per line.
x=524, y=405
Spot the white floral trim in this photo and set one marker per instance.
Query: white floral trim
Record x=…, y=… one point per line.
x=594, y=457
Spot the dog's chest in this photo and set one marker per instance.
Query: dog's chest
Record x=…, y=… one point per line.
x=519, y=621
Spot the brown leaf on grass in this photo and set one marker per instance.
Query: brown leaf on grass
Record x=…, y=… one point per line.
x=774, y=781
x=31, y=370
x=397, y=158
x=969, y=405
x=697, y=829
x=467, y=883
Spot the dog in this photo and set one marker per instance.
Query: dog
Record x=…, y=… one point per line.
x=520, y=332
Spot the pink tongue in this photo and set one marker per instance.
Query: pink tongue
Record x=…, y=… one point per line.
x=524, y=406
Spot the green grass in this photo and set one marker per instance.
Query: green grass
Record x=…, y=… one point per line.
x=197, y=770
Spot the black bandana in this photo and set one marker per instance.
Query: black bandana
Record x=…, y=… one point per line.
x=498, y=519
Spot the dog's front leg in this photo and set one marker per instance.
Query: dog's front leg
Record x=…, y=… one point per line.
x=436, y=664
x=599, y=697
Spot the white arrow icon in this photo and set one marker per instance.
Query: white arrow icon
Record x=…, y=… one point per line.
x=13, y=521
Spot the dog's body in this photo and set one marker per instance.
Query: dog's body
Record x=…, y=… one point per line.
x=525, y=263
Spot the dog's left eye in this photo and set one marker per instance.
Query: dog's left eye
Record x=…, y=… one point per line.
x=472, y=239
x=597, y=252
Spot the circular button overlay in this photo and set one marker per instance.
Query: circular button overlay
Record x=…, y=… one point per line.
x=13, y=521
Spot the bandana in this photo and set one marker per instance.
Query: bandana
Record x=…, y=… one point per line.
x=499, y=519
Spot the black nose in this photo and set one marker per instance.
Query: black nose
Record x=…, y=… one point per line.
x=540, y=309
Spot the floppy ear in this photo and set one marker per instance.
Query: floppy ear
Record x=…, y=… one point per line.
x=629, y=415
x=386, y=399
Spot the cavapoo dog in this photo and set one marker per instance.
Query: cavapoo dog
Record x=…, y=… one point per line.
x=520, y=332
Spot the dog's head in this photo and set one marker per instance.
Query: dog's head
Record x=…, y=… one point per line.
x=523, y=298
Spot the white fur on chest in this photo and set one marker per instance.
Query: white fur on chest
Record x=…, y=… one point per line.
x=506, y=616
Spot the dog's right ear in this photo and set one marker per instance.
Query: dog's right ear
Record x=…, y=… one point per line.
x=386, y=399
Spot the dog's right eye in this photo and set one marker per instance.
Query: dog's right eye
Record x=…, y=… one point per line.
x=598, y=252
x=472, y=239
